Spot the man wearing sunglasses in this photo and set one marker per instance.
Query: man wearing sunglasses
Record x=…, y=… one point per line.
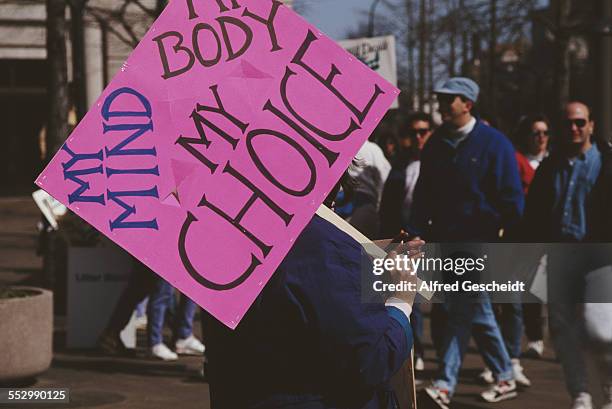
x=558, y=209
x=562, y=208
x=420, y=130
x=468, y=190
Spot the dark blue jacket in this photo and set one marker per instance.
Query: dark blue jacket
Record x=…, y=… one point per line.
x=468, y=192
x=309, y=340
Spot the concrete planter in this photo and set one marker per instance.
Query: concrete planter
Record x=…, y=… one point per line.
x=26, y=334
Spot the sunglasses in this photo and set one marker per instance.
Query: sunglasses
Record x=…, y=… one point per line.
x=420, y=131
x=538, y=133
x=446, y=98
x=580, y=122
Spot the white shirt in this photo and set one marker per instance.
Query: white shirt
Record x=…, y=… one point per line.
x=412, y=175
x=535, y=160
x=372, y=172
x=458, y=135
x=402, y=305
x=467, y=128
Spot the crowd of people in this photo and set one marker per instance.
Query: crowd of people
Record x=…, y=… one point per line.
x=463, y=181
x=467, y=182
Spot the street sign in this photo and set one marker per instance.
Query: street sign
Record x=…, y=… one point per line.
x=379, y=54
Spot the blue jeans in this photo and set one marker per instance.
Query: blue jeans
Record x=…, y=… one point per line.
x=438, y=319
x=159, y=301
x=141, y=308
x=567, y=330
x=573, y=274
x=510, y=319
x=471, y=316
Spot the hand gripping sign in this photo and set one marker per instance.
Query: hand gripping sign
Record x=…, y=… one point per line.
x=215, y=144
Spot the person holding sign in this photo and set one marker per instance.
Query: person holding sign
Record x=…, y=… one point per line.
x=310, y=340
x=206, y=158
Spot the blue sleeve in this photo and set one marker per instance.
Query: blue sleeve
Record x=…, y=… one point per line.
x=511, y=200
x=401, y=318
x=362, y=341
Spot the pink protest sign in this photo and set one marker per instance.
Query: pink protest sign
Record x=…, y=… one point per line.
x=214, y=146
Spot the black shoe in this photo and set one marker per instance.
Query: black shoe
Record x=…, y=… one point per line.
x=111, y=344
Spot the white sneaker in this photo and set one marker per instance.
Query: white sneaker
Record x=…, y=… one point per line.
x=502, y=390
x=519, y=375
x=419, y=364
x=161, y=351
x=535, y=349
x=583, y=401
x=438, y=396
x=189, y=346
x=486, y=377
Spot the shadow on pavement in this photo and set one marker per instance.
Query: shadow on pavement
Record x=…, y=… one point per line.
x=140, y=367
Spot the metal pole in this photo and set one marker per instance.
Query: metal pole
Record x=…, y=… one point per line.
x=57, y=114
x=371, y=18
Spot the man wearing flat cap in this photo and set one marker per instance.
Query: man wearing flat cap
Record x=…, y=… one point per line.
x=469, y=190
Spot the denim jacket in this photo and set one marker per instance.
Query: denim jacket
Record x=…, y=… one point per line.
x=560, y=198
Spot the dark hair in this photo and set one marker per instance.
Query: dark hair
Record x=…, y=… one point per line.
x=404, y=126
x=420, y=116
x=388, y=139
x=524, y=129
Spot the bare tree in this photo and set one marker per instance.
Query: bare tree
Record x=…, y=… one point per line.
x=410, y=41
x=465, y=33
x=452, y=14
x=77, y=40
x=127, y=20
x=562, y=52
x=422, y=50
x=492, y=81
x=431, y=45
x=57, y=118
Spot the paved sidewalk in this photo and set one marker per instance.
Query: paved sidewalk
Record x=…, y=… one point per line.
x=122, y=383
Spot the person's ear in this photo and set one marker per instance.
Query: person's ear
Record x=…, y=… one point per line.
x=469, y=105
